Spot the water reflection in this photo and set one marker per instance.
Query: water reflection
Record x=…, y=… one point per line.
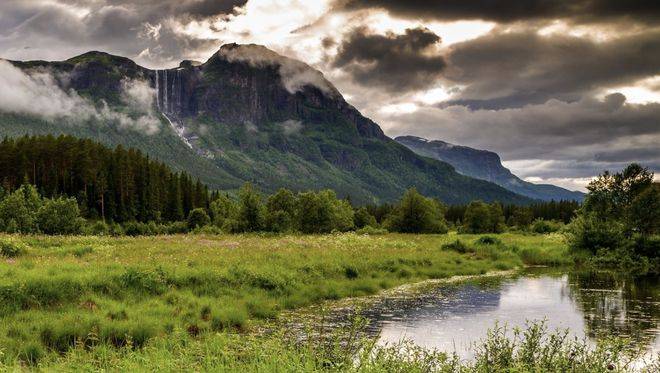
x=453, y=317
x=618, y=305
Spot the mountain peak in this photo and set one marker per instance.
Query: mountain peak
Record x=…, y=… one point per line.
x=485, y=165
x=102, y=57
x=294, y=73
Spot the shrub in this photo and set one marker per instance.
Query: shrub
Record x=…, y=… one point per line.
x=97, y=228
x=488, y=240
x=208, y=229
x=458, y=246
x=60, y=216
x=18, y=211
x=590, y=233
x=11, y=248
x=116, y=230
x=134, y=228
x=545, y=226
x=198, y=218
x=371, y=231
x=177, y=227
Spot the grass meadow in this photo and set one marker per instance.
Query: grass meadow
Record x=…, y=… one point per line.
x=192, y=301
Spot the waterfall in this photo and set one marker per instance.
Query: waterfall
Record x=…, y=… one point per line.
x=180, y=93
x=168, y=106
x=165, y=107
x=173, y=90
x=157, y=90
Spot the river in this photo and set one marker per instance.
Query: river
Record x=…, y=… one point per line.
x=453, y=317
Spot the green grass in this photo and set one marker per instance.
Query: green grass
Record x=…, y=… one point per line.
x=126, y=298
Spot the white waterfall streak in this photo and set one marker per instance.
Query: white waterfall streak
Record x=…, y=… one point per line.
x=157, y=89
x=165, y=107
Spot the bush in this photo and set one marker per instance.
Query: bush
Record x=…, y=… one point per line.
x=177, y=227
x=458, y=246
x=488, y=240
x=588, y=232
x=545, y=226
x=134, y=228
x=198, y=218
x=97, y=228
x=116, y=230
x=60, y=216
x=19, y=209
x=11, y=248
x=371, y=231
x=208, y=229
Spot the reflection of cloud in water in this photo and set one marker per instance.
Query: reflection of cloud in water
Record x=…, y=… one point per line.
x=452, y=317
x=455, y=324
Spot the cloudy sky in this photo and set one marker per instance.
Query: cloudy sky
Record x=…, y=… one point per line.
x=560, y=89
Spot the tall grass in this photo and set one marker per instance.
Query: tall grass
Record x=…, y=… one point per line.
x=125, y=296
x=534, y=349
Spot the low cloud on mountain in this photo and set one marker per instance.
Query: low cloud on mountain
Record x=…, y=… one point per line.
x=39, y=94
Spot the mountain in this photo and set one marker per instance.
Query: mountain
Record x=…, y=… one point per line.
x=485, y=165
x=246, y=114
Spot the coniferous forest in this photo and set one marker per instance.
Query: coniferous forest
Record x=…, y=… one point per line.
x=112, y=184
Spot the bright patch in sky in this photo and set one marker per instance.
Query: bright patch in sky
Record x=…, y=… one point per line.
x=456, y=32
x=432, y=96
x=643, y=92
x=404, y=108
x=570, y=183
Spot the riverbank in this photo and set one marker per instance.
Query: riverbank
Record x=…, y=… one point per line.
x=112, y=302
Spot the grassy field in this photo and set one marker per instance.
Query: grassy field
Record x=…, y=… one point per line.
x=190, y=301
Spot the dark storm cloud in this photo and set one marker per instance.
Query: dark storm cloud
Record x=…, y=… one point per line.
x=396, y=62
x=587, y=132
x=514, y=69
x=647, y=11
x=117, y=26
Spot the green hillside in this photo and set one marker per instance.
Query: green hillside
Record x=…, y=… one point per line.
x=234, y=121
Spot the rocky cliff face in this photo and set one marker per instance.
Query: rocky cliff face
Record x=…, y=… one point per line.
x=249, y=114
x=485, y=165
x=246, y=84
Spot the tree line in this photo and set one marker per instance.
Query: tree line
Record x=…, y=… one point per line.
x=123, y=191
x=115, y=185
x=521, y=216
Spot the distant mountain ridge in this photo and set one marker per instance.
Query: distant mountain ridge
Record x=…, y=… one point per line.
x=485, y=165
x=246, y=114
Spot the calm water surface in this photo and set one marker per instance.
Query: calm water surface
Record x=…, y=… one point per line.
x=454, y=317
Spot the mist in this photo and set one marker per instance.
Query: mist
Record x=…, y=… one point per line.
x=39, y=94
